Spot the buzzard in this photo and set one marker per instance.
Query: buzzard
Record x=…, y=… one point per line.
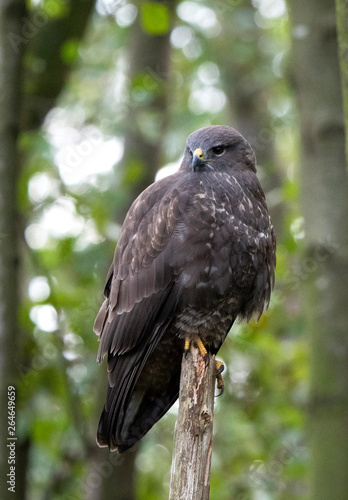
x=196, y=252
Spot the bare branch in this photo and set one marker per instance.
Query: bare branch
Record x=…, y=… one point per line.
x=194, y=429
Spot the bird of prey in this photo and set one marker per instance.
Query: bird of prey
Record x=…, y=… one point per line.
x=196, y=252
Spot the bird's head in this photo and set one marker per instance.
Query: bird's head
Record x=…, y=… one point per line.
x=218, y=148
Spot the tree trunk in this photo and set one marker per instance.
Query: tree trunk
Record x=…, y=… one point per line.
x=194, y=429
x=46, y=37
x=12, y=13
x=342, y=28
x=324, y=188
x=248, y=96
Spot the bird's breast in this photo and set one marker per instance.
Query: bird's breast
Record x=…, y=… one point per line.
x=218, y=243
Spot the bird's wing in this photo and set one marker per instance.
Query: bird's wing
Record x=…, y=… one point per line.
x=129, y=413
x=141, y=294
x=138, y=294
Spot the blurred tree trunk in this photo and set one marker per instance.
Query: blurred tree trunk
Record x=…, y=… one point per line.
x=49, y=34
x=342, y=28
x=324, y=187
x=12, y=14
x=26, y=97
x=247, y=94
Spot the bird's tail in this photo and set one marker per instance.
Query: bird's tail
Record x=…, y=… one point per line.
x=120, y=432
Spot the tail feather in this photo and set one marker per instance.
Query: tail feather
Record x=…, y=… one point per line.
x=142, y=412
x=137, y=423
x=143, y=386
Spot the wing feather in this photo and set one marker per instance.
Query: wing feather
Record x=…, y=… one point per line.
x=123, y=373
x=142, y=267
x=141, y=295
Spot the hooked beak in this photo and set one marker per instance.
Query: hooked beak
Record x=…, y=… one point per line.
x=198, y=159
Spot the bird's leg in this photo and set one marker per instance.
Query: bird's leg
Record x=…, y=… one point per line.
x=219, y=369
x=202, y=349
x=187, y=346
x=205, y=355
x=200, y=345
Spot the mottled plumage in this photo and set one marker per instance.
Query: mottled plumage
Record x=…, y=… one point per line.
x=196, y=251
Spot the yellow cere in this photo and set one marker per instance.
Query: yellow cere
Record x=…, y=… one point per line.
x=198, y=152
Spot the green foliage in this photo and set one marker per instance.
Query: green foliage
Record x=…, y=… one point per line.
x=69, y=51
x=51, y=8
x=154, y=18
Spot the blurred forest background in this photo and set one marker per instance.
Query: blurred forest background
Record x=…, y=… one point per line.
x=96, y=97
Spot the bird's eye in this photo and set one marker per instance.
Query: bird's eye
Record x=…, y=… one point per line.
x=218, y=150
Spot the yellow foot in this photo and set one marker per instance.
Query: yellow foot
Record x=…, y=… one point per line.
x=219, y=369
x=200, y=345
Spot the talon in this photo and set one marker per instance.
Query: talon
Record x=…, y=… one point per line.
x=222, y=388
x=220, y=383
x=201, y=347
x=219, y=367
x=186, y=347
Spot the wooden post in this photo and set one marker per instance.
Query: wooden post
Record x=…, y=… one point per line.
x=194, y=429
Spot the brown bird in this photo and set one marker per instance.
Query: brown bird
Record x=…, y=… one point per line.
x=196, y=251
